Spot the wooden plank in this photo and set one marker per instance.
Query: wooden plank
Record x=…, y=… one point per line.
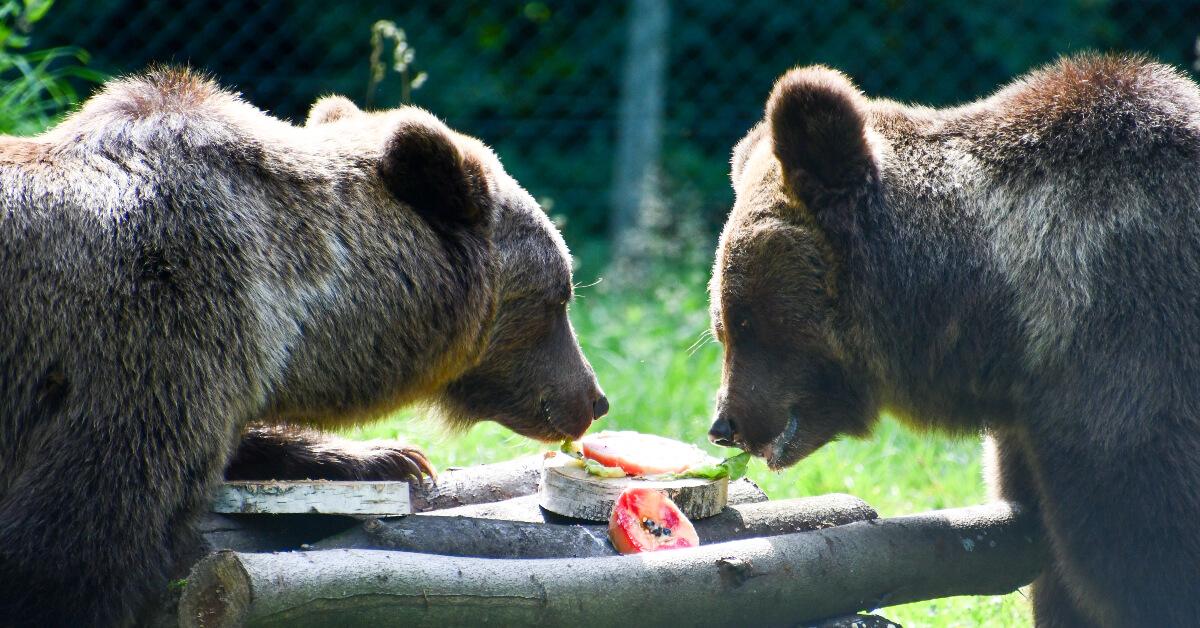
x=379, y=499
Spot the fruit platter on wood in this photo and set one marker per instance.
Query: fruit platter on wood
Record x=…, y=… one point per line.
x=581, y=532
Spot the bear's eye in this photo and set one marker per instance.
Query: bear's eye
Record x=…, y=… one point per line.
x=739, y=328
x=559, y=300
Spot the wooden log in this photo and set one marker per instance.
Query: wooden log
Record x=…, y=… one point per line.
x=273, y=533
x=465, y=487
x=455, y=487
x=278, y=532
x=852, y=621
x=745, y=491
x=785, y=579
x=479, y=484
x=569, y=490
x=525, y=508
x=489, y=538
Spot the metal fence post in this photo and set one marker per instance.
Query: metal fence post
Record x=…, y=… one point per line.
x=639, y=127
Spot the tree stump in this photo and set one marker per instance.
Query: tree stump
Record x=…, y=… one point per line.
x=569, y=490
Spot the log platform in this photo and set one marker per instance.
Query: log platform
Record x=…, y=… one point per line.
x=479, y=548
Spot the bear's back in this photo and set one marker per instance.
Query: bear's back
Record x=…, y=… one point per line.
x=1072, y=194
x=1089, y=197
x=160, y=149
x=137, y=217
x=1086, y=112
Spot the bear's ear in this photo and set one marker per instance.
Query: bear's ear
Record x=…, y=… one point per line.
x=331, y=109
x=816, y=116
x=741, y=153
x=423, y=167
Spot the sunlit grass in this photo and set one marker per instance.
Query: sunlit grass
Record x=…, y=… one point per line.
x=660, y=370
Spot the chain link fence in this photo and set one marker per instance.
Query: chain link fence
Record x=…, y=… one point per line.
x=541, y=81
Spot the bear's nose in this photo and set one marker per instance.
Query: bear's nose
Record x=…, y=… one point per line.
x=722, y=433
x=600, y=407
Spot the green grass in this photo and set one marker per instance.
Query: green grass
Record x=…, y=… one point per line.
x=660, y=372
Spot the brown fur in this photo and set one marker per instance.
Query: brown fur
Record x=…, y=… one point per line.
x=1023, y=265
x=289, y=453
x=180, y=265
x=331, y=109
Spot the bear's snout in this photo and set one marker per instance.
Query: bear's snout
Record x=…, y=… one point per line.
x=723, y=432
x=599, y=407
x=570, y=415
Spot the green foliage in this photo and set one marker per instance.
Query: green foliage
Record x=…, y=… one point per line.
x=35, y=85
x=656, y=361
x=403, y=55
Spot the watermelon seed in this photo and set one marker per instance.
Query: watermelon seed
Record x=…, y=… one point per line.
x=653, y=528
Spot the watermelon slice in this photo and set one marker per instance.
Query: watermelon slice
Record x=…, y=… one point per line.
x=646, y=520
x=642, y=454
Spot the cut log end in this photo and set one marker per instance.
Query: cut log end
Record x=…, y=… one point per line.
x=571, y=491
x=217, y=594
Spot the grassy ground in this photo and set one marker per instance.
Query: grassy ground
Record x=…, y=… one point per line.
x=661, y=373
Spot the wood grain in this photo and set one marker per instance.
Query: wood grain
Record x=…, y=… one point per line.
x=318, y=497
x=570, y=491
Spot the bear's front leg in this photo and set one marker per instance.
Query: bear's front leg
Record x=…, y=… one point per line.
x=1007, y=468
x=1009, y=474
x=101, y=507
x=1053, y=604
x=292, y=453
x=1119, y=507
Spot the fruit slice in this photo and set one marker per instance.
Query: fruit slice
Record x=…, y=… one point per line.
x=646, y=520
x=642, y=454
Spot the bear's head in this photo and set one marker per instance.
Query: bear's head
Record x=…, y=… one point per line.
x=528, y=373
x=791, y=381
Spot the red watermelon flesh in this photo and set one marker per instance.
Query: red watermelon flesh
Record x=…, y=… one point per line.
x=642, y=454
x=646, y=520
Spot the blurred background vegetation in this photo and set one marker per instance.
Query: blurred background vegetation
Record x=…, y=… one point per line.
x=541, y=81
x=566, y=90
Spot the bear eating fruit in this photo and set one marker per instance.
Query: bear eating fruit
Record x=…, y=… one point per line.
x=178, y=264
x=1027, y=265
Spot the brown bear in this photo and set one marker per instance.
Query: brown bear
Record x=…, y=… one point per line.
x=178, y=264
x=1026, y=265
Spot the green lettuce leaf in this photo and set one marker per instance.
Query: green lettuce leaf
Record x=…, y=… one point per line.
x=733, y=468
x=599, y=470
